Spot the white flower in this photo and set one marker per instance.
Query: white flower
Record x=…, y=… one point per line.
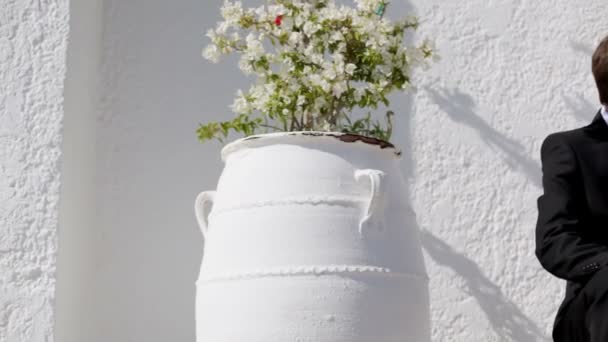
x=309, y=51
x=245, y=65
x=270, y=87
x=295, y=38
x=336, y=36
x=255, y=49
x=314, y=79
x=275, y=10
x=232, y=12
x=212, y=53
x=338, y=58
x=328, y=70
x=381, y=40
x=261, y=97
x=317, y=58
x=211, y=34
x=350, y=69
x=329, y=74
x=311, y=28
x=326, y=86
x=368, y=26
x=295, y=86
x=367, y=5
x=301, y=100
x=339, y=88
x=385, y=70
x=339, y=64
x=240, y=105
x=330, y=12
x=359, y=93
x=222, y=27
x=260, y=12
x=319, y=81
x=299, y=20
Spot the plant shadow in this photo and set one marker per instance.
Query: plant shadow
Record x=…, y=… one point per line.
x=507, y=320
x=581, y=47
x=461, y=108
x=580, y=107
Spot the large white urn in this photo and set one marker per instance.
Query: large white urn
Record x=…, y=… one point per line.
x=310, y=237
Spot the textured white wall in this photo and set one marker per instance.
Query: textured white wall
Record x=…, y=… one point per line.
x=32, y=68
x=512, y=71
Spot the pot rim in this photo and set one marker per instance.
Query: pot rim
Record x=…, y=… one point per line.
x=264, y=139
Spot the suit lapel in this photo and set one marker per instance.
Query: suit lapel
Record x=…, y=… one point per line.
x=595, y=156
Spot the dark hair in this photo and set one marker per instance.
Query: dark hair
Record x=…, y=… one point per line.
x=599, y=66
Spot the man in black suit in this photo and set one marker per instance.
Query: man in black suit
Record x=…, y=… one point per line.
x=572, y=227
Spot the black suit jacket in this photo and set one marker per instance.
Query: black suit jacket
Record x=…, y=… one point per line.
x=572, y=226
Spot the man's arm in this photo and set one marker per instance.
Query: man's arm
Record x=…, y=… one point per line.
x=561, y=247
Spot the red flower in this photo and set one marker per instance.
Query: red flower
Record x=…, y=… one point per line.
x=278, y=20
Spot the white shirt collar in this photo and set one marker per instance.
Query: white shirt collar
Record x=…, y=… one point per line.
x=605, y=113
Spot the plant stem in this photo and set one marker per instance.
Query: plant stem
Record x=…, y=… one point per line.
x=339, y=112
x=304, y=123
x=331, y=118
x=270, y=126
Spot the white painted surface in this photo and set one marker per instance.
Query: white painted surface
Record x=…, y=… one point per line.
x=155, y=89
x=512, y=71
x=75, y=320
x=32, y=67
x=303, y=227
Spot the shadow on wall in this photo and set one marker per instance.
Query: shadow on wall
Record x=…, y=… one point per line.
x=582, y=48
x=506, y=318
x=579, y=107
x=461, y=108
x=155, y=88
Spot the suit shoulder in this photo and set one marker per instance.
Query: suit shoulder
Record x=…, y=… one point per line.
x=561, y=143
x=570, y=137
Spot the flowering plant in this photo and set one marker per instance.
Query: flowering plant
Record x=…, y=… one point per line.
x=315, y=61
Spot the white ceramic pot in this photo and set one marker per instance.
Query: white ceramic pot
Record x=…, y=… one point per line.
x=310, y=237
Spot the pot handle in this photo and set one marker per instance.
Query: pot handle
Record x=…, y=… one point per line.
x=375, y=178
x=203, y=200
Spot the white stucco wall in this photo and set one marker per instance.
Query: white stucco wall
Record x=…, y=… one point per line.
x=32, y=69
x=511, y=72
